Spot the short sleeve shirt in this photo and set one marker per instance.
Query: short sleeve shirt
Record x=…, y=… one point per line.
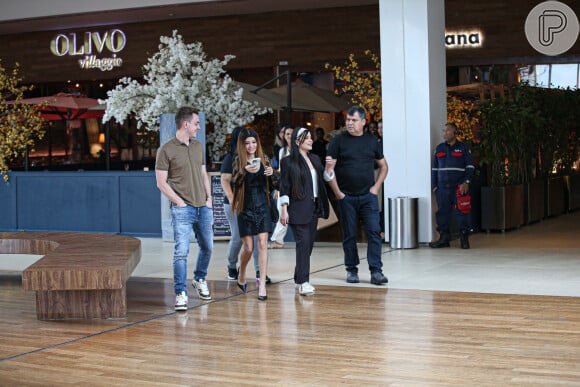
x=183, y=164
x=355, y=161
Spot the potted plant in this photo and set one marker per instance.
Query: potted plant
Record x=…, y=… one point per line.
x=531, y=127
x=558, y=149
x=566, y=155
x=502, y=204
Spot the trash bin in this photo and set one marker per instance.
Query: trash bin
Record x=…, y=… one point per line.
x=403, y=228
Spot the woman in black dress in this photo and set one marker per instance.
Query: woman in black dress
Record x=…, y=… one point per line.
x=251, y=202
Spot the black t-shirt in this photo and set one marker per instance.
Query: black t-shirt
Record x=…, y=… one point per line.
x=319, y=148
x=355, y=161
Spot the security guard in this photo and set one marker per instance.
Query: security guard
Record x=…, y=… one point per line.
x=452, y=167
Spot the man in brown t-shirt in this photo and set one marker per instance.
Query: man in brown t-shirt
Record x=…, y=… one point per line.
x=182, y=177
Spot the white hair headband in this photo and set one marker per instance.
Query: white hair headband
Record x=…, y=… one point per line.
x=300, y=131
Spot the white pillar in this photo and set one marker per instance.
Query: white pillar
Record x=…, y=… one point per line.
x=414, y=103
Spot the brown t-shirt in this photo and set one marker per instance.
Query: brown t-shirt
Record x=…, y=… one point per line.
x=183, y=165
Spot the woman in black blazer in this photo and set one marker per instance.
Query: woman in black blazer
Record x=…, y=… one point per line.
x=304, y=200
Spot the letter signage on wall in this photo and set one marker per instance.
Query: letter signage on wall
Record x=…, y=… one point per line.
x=90, y=46
x=463, y=39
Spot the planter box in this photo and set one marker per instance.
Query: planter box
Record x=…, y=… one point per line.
x=555, y=196
x=573, y=191
x=534, y=199
x=502, y=208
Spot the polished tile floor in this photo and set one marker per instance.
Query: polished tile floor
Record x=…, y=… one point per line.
x=538, y=259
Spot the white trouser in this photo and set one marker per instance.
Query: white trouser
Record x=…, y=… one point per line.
x=280, y=230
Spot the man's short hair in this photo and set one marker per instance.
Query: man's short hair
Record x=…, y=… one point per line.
x=184, y=113
x=359, y=110
x=451, y=124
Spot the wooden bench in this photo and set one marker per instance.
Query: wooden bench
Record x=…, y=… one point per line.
x=80, y=276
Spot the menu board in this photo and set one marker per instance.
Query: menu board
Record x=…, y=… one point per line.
x=221, y=226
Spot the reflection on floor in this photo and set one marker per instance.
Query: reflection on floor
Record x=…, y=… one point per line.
x=539, y=259
x=434, y=324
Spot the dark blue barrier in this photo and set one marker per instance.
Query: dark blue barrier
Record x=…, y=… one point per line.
x=123, y=202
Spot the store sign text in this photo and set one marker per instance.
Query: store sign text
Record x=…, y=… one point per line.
x=91, y=45
x=463, y=39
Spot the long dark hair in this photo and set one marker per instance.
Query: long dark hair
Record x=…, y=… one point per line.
x=238, y=167
x=297, y=167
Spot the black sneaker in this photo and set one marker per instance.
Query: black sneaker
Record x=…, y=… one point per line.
x=377, y=278
x=232, y=274
x=352, y=277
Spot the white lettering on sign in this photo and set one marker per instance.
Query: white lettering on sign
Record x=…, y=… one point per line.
x=463, y=39
x=89, y=44
x=103, y=64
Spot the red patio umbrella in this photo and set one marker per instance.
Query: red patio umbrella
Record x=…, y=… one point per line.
x=63, y=106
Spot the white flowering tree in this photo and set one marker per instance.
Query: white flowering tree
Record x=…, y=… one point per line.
x=179, y=74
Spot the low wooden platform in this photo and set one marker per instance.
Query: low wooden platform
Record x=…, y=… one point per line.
x=81, y=276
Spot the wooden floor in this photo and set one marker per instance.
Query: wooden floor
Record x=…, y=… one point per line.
x=342, y=335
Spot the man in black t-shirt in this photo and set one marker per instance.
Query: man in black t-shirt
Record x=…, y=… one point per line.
x=352, y=156
x=319, y=146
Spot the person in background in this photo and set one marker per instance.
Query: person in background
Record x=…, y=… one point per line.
x=372, y=128
x=278, y=144
x=319, y=146
x=235, y=243
x=352, y=157
x=452, y=167
x=280, y=230
x=182, y=177
x=251, y=202
x=304, y=200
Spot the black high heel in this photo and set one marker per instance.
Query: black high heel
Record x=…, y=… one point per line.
x=262, y=298
x=244, y=287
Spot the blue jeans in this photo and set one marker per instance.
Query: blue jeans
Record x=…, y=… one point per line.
x=365, y=207
x=235, y=244
x=184, y=219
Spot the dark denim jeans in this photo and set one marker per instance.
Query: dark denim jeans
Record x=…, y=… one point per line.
x=184, y=219
x=365, y=208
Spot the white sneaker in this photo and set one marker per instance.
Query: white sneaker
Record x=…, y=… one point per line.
x=306, y=289
x=201, y=289
x=181, y=301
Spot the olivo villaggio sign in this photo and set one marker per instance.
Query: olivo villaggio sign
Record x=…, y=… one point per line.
x=97, y=50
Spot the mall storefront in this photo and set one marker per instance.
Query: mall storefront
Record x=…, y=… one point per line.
x=485, y=43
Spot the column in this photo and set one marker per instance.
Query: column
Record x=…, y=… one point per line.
x=414, y=101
